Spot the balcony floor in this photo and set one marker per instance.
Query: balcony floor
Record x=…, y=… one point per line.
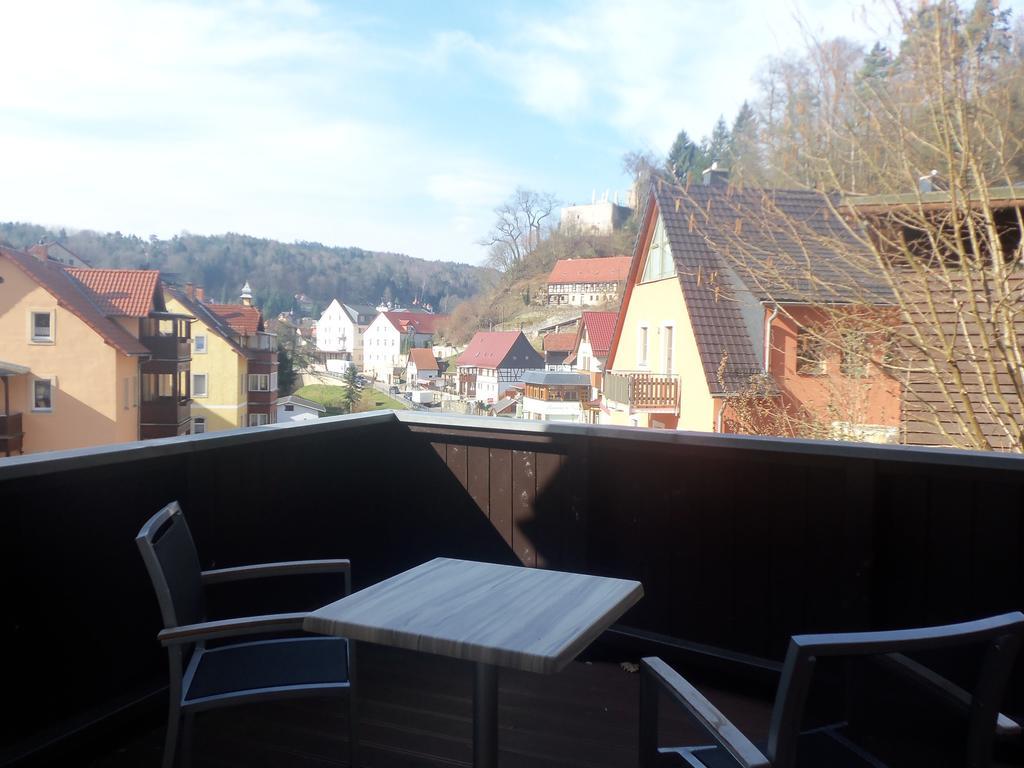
x=416, y=711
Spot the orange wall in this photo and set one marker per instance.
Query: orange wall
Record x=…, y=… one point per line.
x=832, y=396
x=88, y=400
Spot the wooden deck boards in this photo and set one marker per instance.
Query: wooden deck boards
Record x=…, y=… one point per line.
x=416, y=710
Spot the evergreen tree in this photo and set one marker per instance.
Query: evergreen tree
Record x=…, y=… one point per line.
x=685, y=158
x=743, y=158
x=352, y=394
x=717, y=147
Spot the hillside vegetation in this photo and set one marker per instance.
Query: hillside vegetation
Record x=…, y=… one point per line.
x=277, y=271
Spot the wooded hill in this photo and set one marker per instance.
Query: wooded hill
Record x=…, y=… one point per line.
x=276, y=271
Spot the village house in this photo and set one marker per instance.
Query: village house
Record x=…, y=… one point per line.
x=341, y=327
x=389, y=338
x=494, y=362
x=557, y=347
x=702, y=339
x=234, y=361
x=591, y=345
x=422, y=367
x=556, y=396
x=89, y=356
x=586, y=282
x=294, y=408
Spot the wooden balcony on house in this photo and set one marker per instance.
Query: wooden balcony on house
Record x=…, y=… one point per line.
x=739, y=543
x=642, y=391
x=164, y=417
x=11, y=434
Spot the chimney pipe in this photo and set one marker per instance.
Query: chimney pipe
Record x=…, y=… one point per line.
x=200, y=293
x=190, y=290
x=714, y=176
x=40, y=251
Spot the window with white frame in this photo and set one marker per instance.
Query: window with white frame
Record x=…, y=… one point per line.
x=259, y=382
x=42, y=394
x=641, y=354
x=668, y=339
x=200, y=345
x=659, y=256
x=257, y=419
x=200, y=384
x=198, y=425
x=41, y=327
x=273, y=382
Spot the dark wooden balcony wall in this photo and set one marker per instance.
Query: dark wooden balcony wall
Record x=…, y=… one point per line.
x=739, y=542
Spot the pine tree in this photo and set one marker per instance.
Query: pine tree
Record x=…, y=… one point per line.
x=743, y=158
x=685, y=158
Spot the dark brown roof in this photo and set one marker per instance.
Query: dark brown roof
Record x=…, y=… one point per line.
x=77, y=299
x=500, y=349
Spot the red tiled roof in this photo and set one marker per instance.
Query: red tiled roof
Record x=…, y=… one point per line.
x=76, y=298
x=423, y=359
x=422, y=322
x=612, y=269
x=489, y=349
x=559, y=342
x=600, y=327
x=245, y=321
x=120, y=292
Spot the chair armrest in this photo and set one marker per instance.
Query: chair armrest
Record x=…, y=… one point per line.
x=949, y=690
x=706, y=714
x=265, y=570
x=216, y=630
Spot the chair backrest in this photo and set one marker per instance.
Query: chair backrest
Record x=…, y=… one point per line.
x=173, y=564
x=1000, y=637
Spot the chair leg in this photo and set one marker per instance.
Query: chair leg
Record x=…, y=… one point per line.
x=186, y=739
x=171, y=742
x=353, y=710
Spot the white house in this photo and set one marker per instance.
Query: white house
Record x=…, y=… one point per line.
x=422, y=365
x=583, y=282
x=493, y=362
x=341, y=329
x=389, y=338
x=593, y=340
x=294, y=408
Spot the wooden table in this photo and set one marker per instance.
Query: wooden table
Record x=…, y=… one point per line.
x=492, y=615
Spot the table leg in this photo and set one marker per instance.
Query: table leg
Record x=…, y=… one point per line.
x=485, y=716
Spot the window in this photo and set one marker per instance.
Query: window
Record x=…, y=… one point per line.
x=642, y=352
x=200, y=345
x=273, y=382
x=257, y=419
x=200, y=384
x=42, y=327
x=135, y=391
x=42, y=395
x=659, y=256
x=198, y=425
x=127, y=393
x=668, y=340
x=810, y=354
x=259, y=382
x=289, y=408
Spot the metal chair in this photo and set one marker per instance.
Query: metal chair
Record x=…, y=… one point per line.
x=829, y=747
x=230, y=673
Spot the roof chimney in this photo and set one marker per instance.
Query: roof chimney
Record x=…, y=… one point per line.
x=246, y=295
x=190, y=290
x=715, y=177
x=40, y=251
x=200, y=293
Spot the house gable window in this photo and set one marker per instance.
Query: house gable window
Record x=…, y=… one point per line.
x=41, y=327
x=659, y=264
x=200, y=345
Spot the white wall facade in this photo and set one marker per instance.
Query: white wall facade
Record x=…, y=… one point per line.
x=299, y=412
x=546, y=410
x=336, y=332
x=382, y=349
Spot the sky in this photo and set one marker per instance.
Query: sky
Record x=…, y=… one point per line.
x=392, y=126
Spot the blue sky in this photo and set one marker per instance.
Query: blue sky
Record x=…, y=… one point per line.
x=387, y=125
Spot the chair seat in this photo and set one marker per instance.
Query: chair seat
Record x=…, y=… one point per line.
x=820, y=748
x=270, y=666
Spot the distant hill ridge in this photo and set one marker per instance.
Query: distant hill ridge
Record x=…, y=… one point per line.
x=277, y=271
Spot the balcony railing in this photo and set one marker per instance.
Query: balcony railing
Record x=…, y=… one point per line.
x=11, y=435
x=164, y=417
x=739, y=542
x=171, y=348
x=642, y=390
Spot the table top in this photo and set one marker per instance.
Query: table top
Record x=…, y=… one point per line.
x=524, y=618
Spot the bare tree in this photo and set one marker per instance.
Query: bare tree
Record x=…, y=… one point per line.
x=518, y=228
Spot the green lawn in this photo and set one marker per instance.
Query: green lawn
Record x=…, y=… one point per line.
x=330, y=396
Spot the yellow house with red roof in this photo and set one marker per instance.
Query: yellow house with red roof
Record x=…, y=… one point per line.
x=234, y=361
x=87, y=356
